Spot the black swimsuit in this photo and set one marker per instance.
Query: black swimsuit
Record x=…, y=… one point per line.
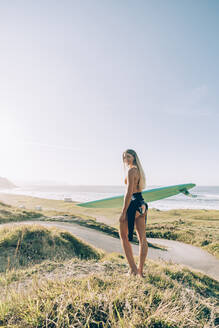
x=135, y=205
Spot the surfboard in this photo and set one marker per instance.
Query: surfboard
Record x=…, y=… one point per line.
x=148, y=195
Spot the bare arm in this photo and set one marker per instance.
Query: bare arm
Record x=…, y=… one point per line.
x=130, y=185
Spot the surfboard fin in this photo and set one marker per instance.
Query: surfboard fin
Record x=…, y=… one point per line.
x=187, y=193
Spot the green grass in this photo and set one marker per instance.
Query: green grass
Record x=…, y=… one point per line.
x=24, y=245
x=197, y=231
x=56, y=280
x=195, y=227
x=9, y=213
x=168, y=296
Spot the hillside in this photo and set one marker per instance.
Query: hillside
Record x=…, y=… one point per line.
x=50, y=278
x=22, y=246
x=6, y=184
x=10, y=213
x=99, y=294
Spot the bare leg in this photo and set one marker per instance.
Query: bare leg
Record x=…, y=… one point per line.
x=143, y=245
x=123, y=231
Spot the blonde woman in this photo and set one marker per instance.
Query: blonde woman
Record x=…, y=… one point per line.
x=134, y=211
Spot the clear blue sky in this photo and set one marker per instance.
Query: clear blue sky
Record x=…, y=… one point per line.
x=81, y=81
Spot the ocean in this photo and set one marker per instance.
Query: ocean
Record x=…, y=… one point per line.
x=207, y=196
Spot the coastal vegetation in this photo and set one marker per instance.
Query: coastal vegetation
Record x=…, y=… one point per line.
x=63, y=288
x=9, y=213
x=24, y=245
x=198, y=227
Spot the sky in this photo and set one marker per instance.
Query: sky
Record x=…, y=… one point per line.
x=82, y=81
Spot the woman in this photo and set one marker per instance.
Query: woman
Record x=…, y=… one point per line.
x=134, y=211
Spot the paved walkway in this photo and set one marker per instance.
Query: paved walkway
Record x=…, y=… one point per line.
x=177, y=252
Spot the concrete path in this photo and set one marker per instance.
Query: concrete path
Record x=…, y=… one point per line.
x=177, y=252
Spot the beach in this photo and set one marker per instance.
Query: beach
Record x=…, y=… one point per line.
x=207, y=196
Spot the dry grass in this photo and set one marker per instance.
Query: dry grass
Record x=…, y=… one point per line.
x=25, y=245
x=9, y=213
x=169, y=296
x=67, y=291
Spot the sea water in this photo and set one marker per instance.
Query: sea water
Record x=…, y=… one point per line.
x=207, y=196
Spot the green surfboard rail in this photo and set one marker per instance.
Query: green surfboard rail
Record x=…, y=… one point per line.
x=148, y=195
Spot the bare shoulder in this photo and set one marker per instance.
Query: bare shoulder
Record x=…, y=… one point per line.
x=132, y=171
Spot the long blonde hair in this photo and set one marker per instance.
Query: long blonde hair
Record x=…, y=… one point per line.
x=136, y=161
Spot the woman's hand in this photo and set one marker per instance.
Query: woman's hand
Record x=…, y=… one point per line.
x=122, y=217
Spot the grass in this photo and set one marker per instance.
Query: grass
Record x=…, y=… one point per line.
x=56, y=280
x=187, y=226
x=9, y=213
x=92, y=224
x=169, y=296
x=25, y=245
x=195, y=227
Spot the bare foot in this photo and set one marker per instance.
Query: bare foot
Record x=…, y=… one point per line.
x=140, y=273
x=132, y=272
